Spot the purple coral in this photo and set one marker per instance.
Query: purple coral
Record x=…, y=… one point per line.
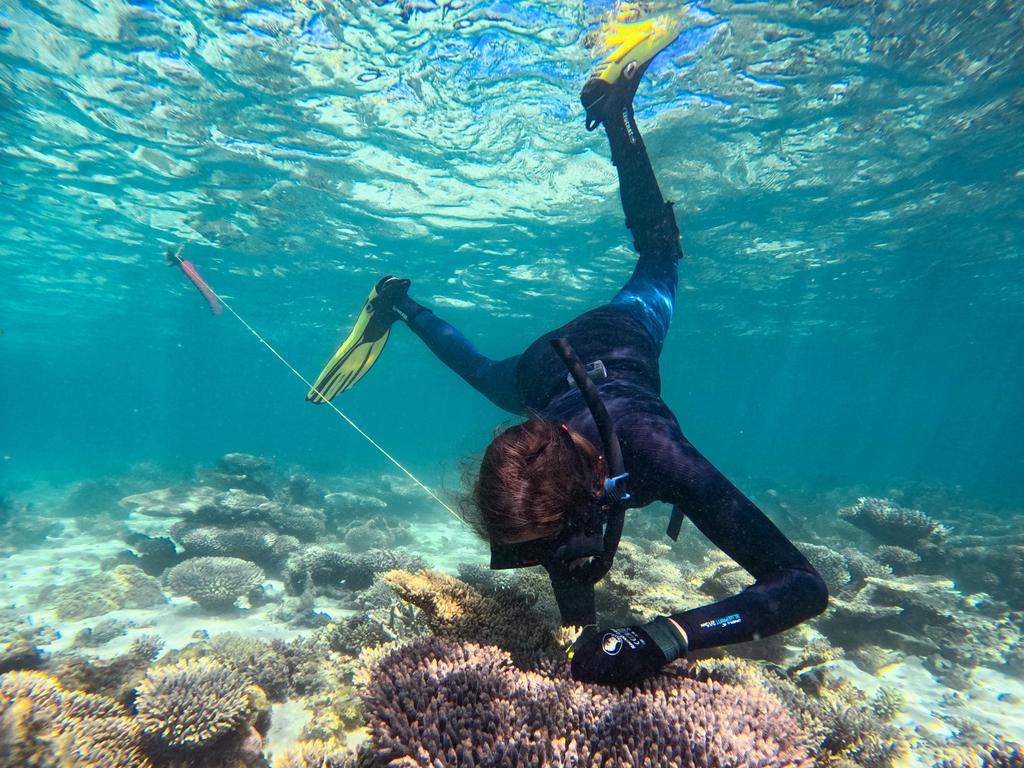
x=437, y=703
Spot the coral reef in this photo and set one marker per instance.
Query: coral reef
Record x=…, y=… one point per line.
x=830, y=564
x=375, y=533
x=258, y=544
x=892, y=524
x=1001, y=755
x=102, y=633
x=153, y=554
x=42, y=724
x=927, y=616
x=436, y=703
x=92, y=497
x=20, y=653
x=146, y=647
x=317, y=754
x=242, y=471
x=644, y=583
x=456, y=611
x=900, y=559
x=325, y=567
x=216, y=583
x=170, y=502
x=843, y=726
x=233, y=508
x=199, y=705
x=122, y=587
x=236, y=508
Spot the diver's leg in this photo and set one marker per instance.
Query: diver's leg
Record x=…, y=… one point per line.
x=494, y=379
x=649, y=294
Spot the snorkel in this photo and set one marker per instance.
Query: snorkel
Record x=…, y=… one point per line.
x=583, y=553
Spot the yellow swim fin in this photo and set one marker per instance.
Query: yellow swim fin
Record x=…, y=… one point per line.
x=627, y=43
x=360, y=350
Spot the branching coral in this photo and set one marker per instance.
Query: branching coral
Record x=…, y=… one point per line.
x=454, y=610
x=316, y=754
x=42, y=724
x=215, y=583
x=643, y=583
x=196, y=704
x=830, y=564
x=433, y=703
x=1001, y=755
x=843, y=726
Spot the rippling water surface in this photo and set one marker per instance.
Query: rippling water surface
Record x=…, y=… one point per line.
x=848, y=176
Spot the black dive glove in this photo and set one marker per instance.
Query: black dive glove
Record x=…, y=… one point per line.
x=625, y=655
x=391, y=294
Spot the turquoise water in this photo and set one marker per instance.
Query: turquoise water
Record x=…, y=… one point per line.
x=848, y=178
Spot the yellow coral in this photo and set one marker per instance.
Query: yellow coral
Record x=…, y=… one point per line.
x=316, y=754
x=41, y=724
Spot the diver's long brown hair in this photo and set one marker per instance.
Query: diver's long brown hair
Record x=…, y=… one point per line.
x=530, y=476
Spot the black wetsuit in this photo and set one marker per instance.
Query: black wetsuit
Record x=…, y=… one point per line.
x=627, y=335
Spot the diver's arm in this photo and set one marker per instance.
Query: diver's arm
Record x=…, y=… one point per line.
x=787, y=588
x=494, y=379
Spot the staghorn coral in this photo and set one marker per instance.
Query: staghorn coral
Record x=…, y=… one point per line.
x=215, y=583
x=196, y=704
x=892, y=524
x=863, y=566
x=354, y=633
x=122, y=587
x=456, y=611
x=102, y=633
x=436, y=703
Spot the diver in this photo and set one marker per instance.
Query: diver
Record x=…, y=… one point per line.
x=598, y=438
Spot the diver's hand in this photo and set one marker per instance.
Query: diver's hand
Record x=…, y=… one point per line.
x=619, y=656
x=390, y=294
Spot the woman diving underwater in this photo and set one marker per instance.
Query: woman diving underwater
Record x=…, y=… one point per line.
x=552, y=490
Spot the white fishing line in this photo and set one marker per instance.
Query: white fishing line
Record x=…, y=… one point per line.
x=335, y=408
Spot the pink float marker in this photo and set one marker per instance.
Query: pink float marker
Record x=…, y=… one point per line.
x=174, y=260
